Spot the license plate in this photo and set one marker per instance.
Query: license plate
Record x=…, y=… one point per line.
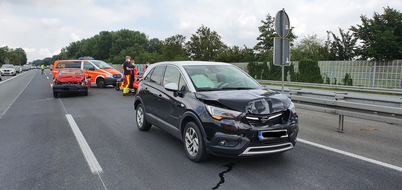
x=273, y=134
x=118, y=80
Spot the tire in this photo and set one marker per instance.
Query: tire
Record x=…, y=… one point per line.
x=55, y=94
x=86, y=93
x=101, y=83
x=194, y=145
x=142, y=123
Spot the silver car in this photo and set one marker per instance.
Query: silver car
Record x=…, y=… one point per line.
x=8, y=69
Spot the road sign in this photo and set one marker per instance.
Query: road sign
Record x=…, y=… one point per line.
x=282, y=23
x=281, y=51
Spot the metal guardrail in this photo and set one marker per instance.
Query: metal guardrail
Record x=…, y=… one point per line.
x=387, y=111
x=396, y=91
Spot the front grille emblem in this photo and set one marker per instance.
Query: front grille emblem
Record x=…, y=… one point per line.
x=264, y=119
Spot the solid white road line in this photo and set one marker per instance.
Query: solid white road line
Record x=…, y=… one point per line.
x=8, y=107
x=397, y=168
x=86, y=150
x=3, y=81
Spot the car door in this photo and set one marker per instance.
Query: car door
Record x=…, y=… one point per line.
x=170, y=101
x=150, y=93
x=90, y=70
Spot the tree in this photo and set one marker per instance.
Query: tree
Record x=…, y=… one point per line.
x=72, y=50
x=236, y=54
x=103, y=44
x=268, y=33
x=308, y=72
x=21, y=56
x=154, y=46
x=205, y=44
x=14, y=56
x=87, y=48
x=173, y=48
x=342, y=48
x=47, y=61
x=310, y=47
x=127, y=42
x=380, y=36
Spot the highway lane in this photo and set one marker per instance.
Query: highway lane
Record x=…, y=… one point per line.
x=10, y=90
x=37, y=148
x=41, y=151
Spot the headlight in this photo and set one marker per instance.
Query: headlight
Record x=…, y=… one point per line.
x=292, y=107
x=220, y=113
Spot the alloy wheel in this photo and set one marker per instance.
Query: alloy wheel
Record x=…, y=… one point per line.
x=140, y=116
x=192, y=142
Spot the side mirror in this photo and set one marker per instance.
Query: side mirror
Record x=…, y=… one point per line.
x=91, y=68
x=172, y=87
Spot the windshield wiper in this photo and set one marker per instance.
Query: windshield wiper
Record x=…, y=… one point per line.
x=206, y=89
x=237, y=88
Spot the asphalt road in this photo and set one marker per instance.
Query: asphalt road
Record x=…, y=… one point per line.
x=91, y=142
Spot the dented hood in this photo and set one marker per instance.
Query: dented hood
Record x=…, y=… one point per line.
x=256, y=101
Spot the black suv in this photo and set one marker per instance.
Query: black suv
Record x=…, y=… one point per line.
x=215, y=108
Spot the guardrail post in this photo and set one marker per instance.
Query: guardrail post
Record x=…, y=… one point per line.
x=341, y=121
x=340, y=95
x=295, y=91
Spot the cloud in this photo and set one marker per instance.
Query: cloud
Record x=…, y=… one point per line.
x=29, y=50
x=45, y=26
x=45, y=52
x=74, y=37
x=49, y=21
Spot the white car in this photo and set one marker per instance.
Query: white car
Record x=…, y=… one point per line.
x=8, y=69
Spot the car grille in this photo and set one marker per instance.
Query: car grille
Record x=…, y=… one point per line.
x=268, y=120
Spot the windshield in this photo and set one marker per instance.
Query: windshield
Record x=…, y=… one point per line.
x=219, y=77
x=8, y=66
x=101, y=64
x=70, y=72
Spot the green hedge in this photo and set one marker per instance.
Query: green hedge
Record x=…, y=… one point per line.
x=308, y=71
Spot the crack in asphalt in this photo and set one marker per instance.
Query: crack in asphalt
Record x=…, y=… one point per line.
x=221, y=175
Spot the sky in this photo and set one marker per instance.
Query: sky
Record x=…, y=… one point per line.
x=43, y=27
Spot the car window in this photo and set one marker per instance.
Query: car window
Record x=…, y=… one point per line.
x=172, y=75
x=148, y=76
x=70, y=72
x=69, y=64
x=101, y=64
x=182, y=84
x=219, y=77
x=88, y=66
x=202, y=81
x=157, y=74
x=8, y=66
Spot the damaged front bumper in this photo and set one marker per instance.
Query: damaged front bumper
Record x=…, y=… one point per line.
x=243, y=138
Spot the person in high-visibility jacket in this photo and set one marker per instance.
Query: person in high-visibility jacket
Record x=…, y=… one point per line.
x=123, y=83
x=128, y=67
x=133, y=76
x=42, y=67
